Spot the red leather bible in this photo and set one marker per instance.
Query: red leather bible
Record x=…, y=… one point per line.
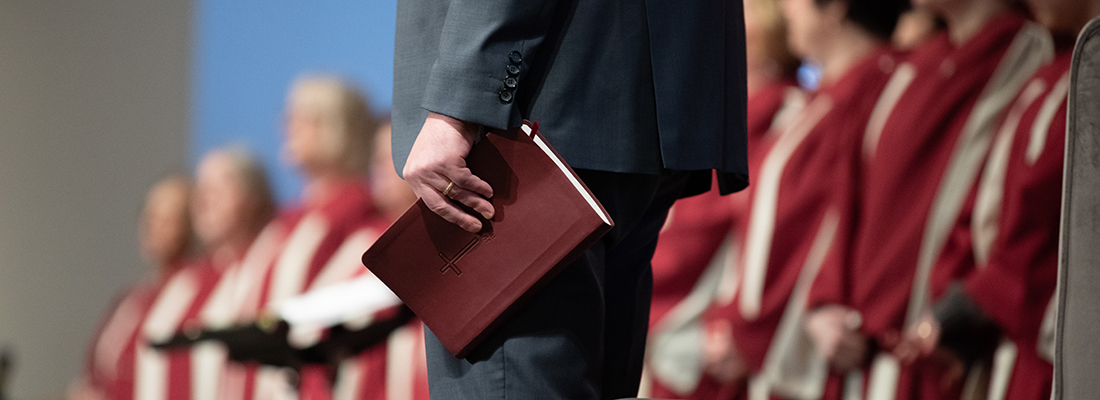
x=463, y=284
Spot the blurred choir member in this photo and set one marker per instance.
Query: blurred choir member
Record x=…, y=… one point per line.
x=689, y=257
x=401, y=357
x=406, y=365
x=1003, y=285
x=802, y=172
x=328, y=129
x=685, y=264
x=915, y=27
x=392, y=196
x=774, y=96
x=925, y=144
x=165, y=238
x=229, y=207
x=232, y=205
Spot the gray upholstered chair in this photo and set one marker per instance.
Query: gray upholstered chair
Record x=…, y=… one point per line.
x=1077, y=337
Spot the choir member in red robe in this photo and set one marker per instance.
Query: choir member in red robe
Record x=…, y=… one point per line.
x=924, y=146
x=1004, y=288
x=802, y=172
x=328, y=138
x=402, y=356
x=231, y=205
x=699, y=227
x=165, y=237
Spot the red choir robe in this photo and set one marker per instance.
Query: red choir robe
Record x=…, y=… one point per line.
x=233, y=300
x=1006, y=254
x=167, y=375
x=402, y=358
x=772, y=107
x=322, y=246
x=109, y=365
x=924, y=146
x=696, y=229
x=802, y=173
x=693, y=234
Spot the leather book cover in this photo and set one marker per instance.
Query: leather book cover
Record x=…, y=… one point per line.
x=463, y=284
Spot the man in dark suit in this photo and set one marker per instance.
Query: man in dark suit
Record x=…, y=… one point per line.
x=643, y=98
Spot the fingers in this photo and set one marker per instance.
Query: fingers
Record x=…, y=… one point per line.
x=472, y=200
x=464, y=195
x=716, y=348
x=729, y=368
x=851, y=351
x=467, y=180
x=907, y=351
x=929, y=332
x=429, y=186
x=955, y=369
x=921, y=340
x=826, y=330
x=911, y=348
x=436, y=159
x=450, y=212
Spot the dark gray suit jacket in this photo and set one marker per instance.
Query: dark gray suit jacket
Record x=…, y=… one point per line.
x=617, y=85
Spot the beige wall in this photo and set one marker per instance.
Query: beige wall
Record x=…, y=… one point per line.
x=94, y=99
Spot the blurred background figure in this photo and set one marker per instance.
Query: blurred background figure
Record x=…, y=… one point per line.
x=1004, y=259
x=391, y=195
x=329, y=139
x=915, y=27
x=396, y=369
x=942, y=285
x=360, y=342
x=692, y=250
x=800, y=201
x=925, y=144
x=93, y=132
x=165, y=239
x=771, y=64
x=230, y=205
x=774, y=96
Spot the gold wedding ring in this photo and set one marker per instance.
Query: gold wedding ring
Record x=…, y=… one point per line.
x=450, y=187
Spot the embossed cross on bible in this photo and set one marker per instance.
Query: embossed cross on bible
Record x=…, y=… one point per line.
x=451, y=263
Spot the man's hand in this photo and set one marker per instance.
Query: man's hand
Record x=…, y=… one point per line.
x=438, y=159
x=835, y=332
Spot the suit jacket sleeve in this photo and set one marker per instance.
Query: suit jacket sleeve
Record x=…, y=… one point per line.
x=480, y=40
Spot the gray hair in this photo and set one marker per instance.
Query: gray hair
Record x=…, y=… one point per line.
x=256, y=185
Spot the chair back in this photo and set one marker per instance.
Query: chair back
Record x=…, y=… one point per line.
x=1076, y=353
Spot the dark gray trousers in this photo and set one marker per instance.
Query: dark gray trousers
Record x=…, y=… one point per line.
x=583, y=336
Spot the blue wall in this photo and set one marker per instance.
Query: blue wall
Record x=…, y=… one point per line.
x=247, y=52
